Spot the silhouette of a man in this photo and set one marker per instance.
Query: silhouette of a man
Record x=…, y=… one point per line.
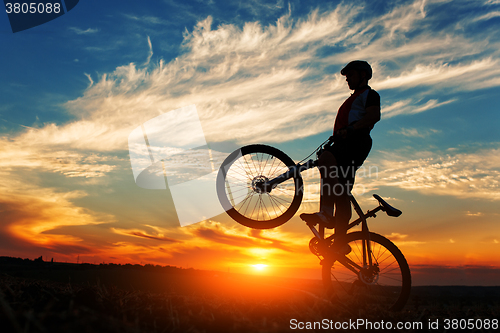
x=339, y=162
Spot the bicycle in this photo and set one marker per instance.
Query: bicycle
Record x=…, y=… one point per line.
x=260, y=187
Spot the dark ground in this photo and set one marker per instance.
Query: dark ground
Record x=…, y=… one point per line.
x=36, y=296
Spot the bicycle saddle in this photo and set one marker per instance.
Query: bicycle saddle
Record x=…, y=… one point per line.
x=391, y=211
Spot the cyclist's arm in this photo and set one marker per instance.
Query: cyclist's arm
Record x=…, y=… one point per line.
x=371, y=117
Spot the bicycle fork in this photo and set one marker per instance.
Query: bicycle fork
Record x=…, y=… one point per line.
x=366, y=246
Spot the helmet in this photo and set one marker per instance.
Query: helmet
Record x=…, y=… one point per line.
x=359, y=65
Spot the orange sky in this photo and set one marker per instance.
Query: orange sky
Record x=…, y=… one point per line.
x=226, y=246
x=73, y=93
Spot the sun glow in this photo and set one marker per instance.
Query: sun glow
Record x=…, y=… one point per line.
x=259, y=267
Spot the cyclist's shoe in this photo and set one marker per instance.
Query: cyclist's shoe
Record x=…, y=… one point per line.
x=334, y=254
x=318, y=218
x=344, y=250
x=340, y=252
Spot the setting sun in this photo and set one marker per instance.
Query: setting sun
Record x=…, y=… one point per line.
x=259, y=267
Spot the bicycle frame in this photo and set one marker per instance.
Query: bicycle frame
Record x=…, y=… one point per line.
x=320, y=232
x=362, y=219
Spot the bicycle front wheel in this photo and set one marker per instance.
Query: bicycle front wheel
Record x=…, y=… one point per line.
x=385, y=284
x=240, y=193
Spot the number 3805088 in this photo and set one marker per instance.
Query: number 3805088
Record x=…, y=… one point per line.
x=32, y=8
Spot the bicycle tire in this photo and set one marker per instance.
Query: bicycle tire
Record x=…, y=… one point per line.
x=391, y=289
x=237, y=176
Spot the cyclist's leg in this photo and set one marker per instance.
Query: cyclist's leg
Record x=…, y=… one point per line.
x=327, y=165
x=343, y=212
x=350, y=158
x=337, y=195
x=343, y=215
x=331, y=188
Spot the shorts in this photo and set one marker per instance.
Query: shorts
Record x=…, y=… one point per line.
x=350, y=154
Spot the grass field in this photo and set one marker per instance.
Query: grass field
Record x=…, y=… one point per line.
x=44, y=297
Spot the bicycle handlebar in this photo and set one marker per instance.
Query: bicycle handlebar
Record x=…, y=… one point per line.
x=331, y=140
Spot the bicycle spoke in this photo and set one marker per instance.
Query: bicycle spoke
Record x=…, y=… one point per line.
x=246, y=175
x=391, y=278
x=246, y=200
x=272, y=199
x=271, y=172
x=357, y=252
x=255, y=207
x=276, y=213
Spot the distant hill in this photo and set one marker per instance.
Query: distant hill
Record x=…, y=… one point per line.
x=39, y=262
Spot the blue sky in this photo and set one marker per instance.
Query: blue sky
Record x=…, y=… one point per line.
x=259, y=72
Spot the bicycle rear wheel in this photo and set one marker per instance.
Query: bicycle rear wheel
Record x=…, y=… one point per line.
x=385, y=285
x=239, y=193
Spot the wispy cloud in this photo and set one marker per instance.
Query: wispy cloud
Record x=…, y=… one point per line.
x=402, y=240
x=31, y=213
x=150, y=52
x=143, y=234
x=488, y=16
x=410, y=106
x=413, y=132
x=242, y=76
x=471, y=74
x=476, y=214
x=260, y=8
x=216, y=233
x=82, y=31
x=463, y=175
x=147, y=19
x=270, y=82
x=451, y=173
x=25, y=153
x=199, y=244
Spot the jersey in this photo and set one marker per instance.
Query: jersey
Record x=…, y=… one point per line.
x=354, y=108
